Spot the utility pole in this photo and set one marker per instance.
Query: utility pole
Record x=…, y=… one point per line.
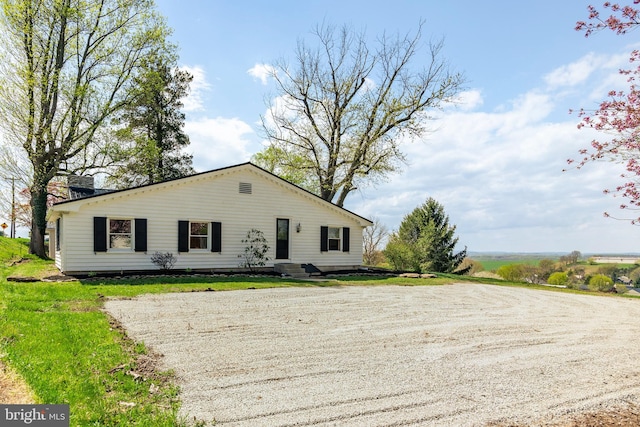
x=13, y=208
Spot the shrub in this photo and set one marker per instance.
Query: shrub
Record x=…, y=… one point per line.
x=621, y=288
x=559, y=278
x=471, y=266
x=513, y=272
x=601, y=283
x=164, y=260
x=255, y=253
x=399, y=255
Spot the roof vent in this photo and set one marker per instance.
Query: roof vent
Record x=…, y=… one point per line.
x=245, y=188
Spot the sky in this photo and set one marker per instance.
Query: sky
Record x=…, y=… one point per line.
x=495, y=162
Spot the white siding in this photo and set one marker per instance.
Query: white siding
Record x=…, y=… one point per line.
x=208, y=197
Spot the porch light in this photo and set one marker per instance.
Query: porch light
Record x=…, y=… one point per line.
x=298, y=227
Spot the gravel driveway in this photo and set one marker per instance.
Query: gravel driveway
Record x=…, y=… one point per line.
x=455, y=355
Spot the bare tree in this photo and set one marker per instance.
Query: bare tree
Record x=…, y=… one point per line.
x=373, y=236
x=65, y=71
x=344, y=108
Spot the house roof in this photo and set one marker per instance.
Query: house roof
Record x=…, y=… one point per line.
x=85, y=195
x=76, y=193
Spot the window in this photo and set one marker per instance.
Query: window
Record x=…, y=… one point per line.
x=120, y=234
x=199, y=235
x=195, y=235
x=334, y=239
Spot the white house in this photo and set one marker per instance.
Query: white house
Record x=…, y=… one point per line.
x=202, y=219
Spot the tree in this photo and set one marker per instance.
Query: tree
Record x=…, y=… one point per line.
x=546, y=266
x=571, y=258
x=619, y=115
x=56, y=192
x=66, y=71
x=344, y=107
x=271, y=159
x=425, y=241
x=373, y=237
x=153, y=126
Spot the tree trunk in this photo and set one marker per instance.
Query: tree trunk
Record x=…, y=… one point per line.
x=38, y=219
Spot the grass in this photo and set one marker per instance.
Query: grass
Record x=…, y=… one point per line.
x=56, y=337
x=494, y=264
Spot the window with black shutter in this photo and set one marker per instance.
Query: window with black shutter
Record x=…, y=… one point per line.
x=324, y=238
x=99, y=234
x=345, y=239
x=140, y=239
x=216, y=237
x=183, y=236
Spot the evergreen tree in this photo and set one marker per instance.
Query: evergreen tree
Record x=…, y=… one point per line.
x=425, y=241
x=153, y=128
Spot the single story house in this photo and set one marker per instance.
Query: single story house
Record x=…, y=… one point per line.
x=202, y=219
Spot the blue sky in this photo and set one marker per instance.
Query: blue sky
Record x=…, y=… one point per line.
x=495, y=162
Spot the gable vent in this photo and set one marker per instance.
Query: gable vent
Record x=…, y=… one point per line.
x=245, y=188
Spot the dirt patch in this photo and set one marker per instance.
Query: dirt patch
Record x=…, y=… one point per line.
x=13, y=389
x=464, y=355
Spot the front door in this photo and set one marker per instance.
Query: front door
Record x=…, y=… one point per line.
x=282, y=239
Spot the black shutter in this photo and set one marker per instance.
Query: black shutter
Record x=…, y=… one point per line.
x=324, y=239
x=99, y=234
x=183, y=236
x=216, y=237
x=345, y=239
x=58, y=234
x=141, y=235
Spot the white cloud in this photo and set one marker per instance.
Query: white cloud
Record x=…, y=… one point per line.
x=199, y=86
x=575, y=73
x=469, y=100
x=261, y=72
x=500, y=178
x=219, y=142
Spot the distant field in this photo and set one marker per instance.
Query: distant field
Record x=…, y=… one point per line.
x=493, y=262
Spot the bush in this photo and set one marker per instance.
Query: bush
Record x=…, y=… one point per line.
x=164, y=260
x=512, y=272
x=559, y=278
x=399, y=255
x=601, y=283
x=471, y=266
x=255, y=253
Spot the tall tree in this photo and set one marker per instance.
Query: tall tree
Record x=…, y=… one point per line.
x=426, y=242
x=344, y=107
x=619, y=114
x=150, y=140
x=372, y=238
x=66, y=71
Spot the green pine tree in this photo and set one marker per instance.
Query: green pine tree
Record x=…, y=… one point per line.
x=151, y=137
x=426, y=241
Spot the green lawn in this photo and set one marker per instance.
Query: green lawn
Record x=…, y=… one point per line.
x=56, y=336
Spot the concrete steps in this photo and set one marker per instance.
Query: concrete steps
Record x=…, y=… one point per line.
x=291, y=270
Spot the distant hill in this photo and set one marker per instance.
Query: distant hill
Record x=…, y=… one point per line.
x=497, y=255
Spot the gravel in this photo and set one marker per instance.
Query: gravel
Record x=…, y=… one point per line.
x=463, y=355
